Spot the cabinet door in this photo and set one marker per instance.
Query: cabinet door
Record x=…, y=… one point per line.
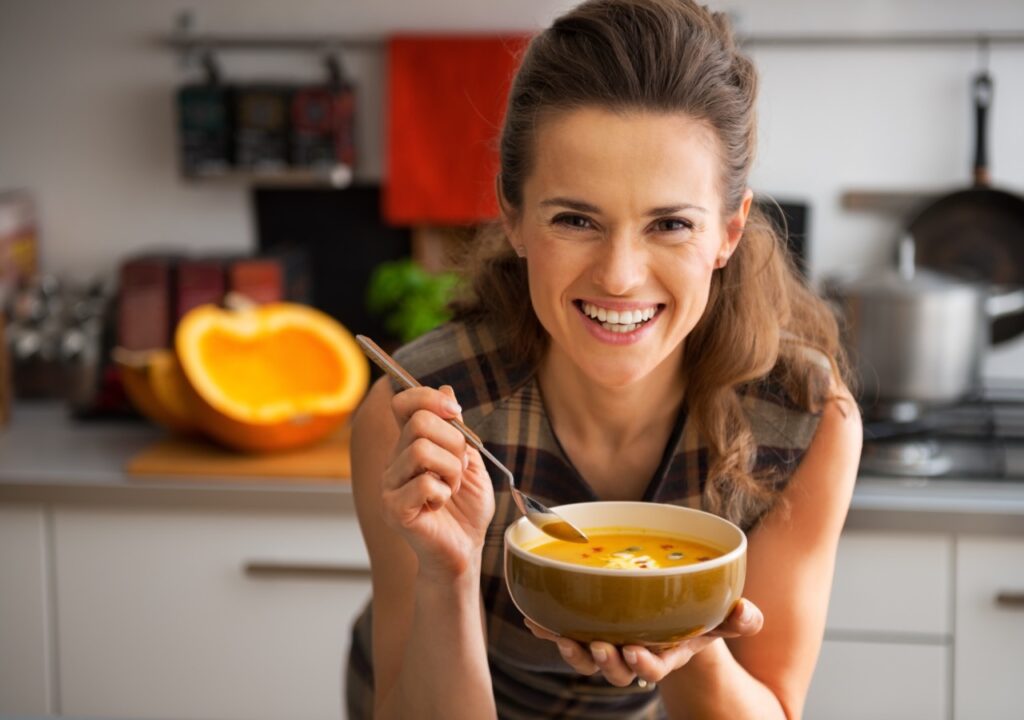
x=989, y=667
x=24, y=612
x=856, y=680
x=895, y=585
x=160, y=618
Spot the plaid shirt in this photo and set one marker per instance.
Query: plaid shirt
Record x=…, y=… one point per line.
x=502, y=403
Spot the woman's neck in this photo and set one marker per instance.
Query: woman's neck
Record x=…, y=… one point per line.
x=614, y=418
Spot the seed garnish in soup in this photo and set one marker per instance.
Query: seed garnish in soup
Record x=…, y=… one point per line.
x=625, y=549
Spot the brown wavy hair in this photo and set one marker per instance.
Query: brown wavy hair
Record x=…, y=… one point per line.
x=761, y=319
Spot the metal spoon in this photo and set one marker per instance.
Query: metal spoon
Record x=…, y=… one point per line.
x=547, y=520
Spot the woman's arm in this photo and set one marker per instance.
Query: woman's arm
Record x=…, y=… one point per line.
x=791, y=558
x=422, y=514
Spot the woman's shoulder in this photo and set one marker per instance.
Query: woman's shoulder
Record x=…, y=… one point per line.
x=465, y=355
x=784, y=407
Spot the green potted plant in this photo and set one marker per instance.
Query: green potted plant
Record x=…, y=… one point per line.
x=411, y=300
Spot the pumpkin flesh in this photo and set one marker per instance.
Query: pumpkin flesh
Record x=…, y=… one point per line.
x=270, y=377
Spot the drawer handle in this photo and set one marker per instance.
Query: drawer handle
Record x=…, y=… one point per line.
x=1010, y=599
x=267, y=569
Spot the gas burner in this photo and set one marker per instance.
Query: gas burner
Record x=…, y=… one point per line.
x=980, y=437
x=906, y=458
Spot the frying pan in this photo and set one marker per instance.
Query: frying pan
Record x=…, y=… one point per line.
x=976, y=233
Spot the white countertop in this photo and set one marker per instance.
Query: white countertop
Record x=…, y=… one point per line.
x=47, y=457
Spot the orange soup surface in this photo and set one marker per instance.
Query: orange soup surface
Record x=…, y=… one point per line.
x=624, y=549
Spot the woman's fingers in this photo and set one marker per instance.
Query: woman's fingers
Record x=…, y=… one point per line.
x=622, y=667
x=423, y=455
x=572, y=652
x=612, y=664
x=404, y=504
x=745, y=619
x=405, y=403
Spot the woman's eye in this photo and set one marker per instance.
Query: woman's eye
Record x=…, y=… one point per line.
x=577, y=222
x=673, y=225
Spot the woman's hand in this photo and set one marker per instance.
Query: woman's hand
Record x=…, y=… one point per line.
x=621, y=666
x=436, y=492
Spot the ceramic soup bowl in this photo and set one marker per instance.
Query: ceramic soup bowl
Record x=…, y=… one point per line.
x=655, y=607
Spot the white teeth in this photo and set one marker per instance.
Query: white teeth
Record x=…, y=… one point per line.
x=619, y=316
x=619, y=320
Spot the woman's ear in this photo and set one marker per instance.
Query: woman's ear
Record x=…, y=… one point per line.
x=509, y=220
x=734, y=227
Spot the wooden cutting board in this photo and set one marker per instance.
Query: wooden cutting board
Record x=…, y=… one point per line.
x=200, y=460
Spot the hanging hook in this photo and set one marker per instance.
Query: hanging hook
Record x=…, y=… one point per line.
x=210, y=66
x=335, y=70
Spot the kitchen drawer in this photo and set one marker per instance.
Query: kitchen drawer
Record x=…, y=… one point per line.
x=24, y=621
x=893, y=583
x=881, y=681
x=209, y=615
x=989, y=628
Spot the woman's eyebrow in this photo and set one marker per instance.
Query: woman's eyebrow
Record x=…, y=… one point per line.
x=582, y=206
x=572, y=204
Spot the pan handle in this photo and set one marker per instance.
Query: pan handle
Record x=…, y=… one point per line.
x=982, y=91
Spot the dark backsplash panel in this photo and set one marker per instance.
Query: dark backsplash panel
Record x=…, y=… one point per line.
x=792, y=221
x=343, y=239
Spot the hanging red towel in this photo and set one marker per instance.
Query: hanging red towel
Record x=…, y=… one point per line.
x=446, y=102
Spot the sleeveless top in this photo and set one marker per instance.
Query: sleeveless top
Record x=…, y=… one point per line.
x=501, y=402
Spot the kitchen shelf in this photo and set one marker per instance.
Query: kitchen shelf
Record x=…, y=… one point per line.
x=286, y=177
x=888, y=202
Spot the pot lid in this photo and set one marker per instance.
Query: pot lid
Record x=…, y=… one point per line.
x=907, y=280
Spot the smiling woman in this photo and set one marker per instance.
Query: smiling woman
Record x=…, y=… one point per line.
x=631, y=329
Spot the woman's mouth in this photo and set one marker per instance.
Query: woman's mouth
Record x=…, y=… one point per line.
x=619, y=321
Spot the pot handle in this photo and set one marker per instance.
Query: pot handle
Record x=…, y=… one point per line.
x=1004, y=303
x=982, y=94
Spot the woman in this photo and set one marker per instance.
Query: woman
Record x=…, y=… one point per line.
x=632, y=331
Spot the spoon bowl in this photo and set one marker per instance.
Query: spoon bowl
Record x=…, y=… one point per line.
x=545, y=519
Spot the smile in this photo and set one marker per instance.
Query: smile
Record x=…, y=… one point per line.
x=618, y=321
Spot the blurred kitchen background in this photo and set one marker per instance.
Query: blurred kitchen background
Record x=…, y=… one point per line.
x=154, y=156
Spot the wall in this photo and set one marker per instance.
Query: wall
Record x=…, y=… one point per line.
x=87, y=117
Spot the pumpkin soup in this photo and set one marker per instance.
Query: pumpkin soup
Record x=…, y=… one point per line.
x=626, y=549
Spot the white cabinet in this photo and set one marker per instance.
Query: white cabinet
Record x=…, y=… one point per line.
x=888, y=639
x=24, y=621
x=895, y=583
x=989, y=629
x=160, y=618
x=857, y=679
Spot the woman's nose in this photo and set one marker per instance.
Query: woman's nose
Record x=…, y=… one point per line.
x=620, y=266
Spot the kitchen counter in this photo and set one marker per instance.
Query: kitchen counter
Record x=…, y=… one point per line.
x=47, y=457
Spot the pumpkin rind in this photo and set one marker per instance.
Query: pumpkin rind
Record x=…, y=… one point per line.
x=242, y=393
x=156, y=387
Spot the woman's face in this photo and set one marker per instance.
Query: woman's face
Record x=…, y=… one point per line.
x=622, y=229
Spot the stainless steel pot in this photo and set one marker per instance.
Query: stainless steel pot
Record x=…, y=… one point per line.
x=917, y=336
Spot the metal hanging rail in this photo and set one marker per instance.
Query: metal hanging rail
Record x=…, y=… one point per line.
x=884, y=39
x=186, y=42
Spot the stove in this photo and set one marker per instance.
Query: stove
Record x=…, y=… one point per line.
x=980, y=437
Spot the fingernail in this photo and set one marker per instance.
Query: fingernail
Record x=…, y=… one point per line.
x=565, y=648
x=746, y=613
x=600, y=654
x=451, y=407
x=630, y=656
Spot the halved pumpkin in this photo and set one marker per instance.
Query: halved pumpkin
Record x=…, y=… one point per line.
x=154, y=383
x=270, y=377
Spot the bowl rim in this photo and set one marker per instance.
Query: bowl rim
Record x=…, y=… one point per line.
x=696, y=567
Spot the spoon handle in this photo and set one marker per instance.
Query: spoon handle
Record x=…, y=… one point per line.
x=389, y=365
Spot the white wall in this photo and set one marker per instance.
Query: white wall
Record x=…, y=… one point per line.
x=87, y=122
